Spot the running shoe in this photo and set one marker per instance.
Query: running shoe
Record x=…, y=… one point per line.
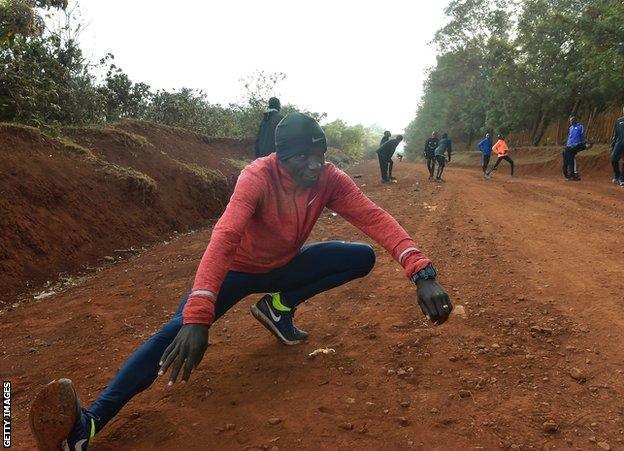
x=278, y=322
x=57, y=421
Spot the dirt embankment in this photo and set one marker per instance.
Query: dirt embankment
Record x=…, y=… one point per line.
x=69, y=202
x=593, y=163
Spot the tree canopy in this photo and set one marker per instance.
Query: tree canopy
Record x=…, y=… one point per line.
x=518, y=65
x=46, y=81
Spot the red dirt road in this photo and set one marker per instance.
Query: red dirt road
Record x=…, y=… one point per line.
x=536, y=264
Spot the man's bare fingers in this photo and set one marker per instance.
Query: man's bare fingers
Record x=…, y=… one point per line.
x=168, y=357
x=177, y=365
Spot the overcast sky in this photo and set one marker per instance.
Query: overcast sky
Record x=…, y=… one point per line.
x=361, y=61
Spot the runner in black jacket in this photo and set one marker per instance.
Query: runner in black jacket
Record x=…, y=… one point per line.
x=265, y=141
x=386, y=137
x=430, y=147
x=384, y=153
x=617, y=151
x=444, y=146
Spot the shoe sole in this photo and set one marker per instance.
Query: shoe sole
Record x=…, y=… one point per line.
x=266, y=322
x=53, y=414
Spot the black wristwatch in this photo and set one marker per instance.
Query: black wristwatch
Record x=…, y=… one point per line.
x=427, y=273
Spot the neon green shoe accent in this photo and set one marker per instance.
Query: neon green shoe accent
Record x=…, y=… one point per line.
x=92, y=432
x=277, y=303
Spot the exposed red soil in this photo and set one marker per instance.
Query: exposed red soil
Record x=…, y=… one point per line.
x=590, y=166
x=535, y=262
x=547, y=161
x=64, y=207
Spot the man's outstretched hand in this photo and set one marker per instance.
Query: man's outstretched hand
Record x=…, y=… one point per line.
x=187, y=349
x=433, y=301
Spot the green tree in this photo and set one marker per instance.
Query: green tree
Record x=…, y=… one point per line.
x=20, y=18
x=563, y=57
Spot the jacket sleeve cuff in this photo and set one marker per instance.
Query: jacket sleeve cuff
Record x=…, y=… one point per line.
x=412, y=261
x=199, y=308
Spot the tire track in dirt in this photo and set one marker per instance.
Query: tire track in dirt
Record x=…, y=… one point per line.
x=484, y=381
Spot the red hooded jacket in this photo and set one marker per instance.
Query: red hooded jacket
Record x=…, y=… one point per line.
x=268, y=219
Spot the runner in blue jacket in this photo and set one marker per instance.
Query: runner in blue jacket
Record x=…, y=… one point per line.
x=485, y=146
x=576, y=143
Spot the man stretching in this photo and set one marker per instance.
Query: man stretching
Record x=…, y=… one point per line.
x=257, y=246
x=501, y=149
x=485, y=146
x=384, y=154
x=430, y=146
x=443, y=146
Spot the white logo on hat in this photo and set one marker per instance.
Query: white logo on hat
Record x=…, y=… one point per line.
x=315, y=140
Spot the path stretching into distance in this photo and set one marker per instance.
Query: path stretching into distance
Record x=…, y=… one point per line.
x=536, y=263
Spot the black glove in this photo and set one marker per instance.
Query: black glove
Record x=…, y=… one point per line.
x=433, y=300
x=188, y=346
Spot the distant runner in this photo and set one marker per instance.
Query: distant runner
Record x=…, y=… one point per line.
x=501, y=149
x=265, y=140
x=617, y=151
x=576, y=143
x=443, y=146
x=384, y=154
x=429, y=153
x=485, y=146
x=257, y=246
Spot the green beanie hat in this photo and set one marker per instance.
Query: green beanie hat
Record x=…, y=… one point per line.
x=298, y=133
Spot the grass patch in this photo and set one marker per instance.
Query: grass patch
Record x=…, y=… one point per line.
x=25, y=131
x=76, y=149
x=205, y=175
x=238, y=164
x=205, y=179
x=134, y=180
x=123, y=137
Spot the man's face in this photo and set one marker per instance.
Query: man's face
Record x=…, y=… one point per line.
x=572, y=120
x=487, y=135
x=306, y=168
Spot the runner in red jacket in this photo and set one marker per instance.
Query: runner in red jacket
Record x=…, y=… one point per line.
x=502, y=150
x=256, y=247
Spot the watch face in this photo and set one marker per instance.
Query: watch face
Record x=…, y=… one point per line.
x=429, y=272
x=426, y=273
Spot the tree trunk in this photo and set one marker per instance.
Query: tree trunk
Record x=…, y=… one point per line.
x=590, y=122
x=540, y=130
x=536, y=124
x=470, y=138
x=575, y=108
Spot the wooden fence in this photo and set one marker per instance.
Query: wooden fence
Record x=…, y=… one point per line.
x=598, y=129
